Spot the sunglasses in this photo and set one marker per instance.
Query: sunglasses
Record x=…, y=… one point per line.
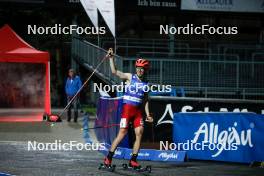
x=140, y=69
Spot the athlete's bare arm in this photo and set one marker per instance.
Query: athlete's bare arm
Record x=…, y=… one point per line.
x=120, y=74
x=149, y=116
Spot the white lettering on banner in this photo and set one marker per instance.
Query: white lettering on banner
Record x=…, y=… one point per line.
x=223, y=5
x=188, y=108
x=215, y=2
x=143, y=154
x=211, y=135
x=118, y=152
x=142, y=3
x=155, y=3
x=167, y=156
x=126, y=97
x=167, y=110
x=185, y=108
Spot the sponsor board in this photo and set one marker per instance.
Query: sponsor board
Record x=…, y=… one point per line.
x=144, y=154
x=169, y=155
x=234, y=137
x=163, y=110
x=148, y=154
x=224, y=5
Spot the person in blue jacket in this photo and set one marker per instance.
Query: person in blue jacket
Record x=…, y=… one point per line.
x=73, y=84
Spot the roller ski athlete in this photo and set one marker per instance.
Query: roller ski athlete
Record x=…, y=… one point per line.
x=135, y=100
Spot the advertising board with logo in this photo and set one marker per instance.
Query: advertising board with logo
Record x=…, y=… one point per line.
x=234, y=137
x=163, y=109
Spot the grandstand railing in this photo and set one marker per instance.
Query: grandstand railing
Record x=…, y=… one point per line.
x=132, y=46
x=230, y=78
x=90, y=55
x=207, y=78
x=190, y=56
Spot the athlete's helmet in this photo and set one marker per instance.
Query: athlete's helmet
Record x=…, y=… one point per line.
x=142, y=63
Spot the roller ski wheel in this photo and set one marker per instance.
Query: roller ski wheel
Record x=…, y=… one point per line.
x=110, y=168
x=137, y=168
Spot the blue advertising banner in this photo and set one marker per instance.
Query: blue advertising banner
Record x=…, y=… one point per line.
x=169, y=155
x=144, y=154
x=234, y=137
x=157, y=155
x=147, y=154
x=119, y=153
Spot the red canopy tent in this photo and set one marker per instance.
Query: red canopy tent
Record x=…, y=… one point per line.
x=14, y=49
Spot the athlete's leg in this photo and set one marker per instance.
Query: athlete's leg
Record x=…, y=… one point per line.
x=138, y=125
x=121, y=134
x=133, y=161
x=138, y=132
x=127, y=113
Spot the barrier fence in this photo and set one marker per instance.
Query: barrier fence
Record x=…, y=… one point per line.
x=91, y=55
x=207, y=77
x=199, y=78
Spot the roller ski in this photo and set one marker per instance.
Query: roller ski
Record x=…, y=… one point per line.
x=134, y=166
x=107, y=166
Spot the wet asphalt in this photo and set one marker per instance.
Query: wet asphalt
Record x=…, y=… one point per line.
x=17, y=159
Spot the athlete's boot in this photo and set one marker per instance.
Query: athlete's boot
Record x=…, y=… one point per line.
x=134, y=164
x=107, y=161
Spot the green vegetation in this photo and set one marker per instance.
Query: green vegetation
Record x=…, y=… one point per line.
x=90, y=110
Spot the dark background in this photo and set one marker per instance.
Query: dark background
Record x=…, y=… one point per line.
x=132, y=21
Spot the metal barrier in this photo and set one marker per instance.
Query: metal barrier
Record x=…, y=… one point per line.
x=132, y=46
x=90, y=55
x=209, y=78
x=200, y=78
x=191, y=55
